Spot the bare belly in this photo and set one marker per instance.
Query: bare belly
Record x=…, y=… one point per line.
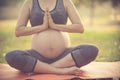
x=50, y=43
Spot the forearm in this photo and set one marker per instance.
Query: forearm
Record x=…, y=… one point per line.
x=25, y=31
x=74, y=28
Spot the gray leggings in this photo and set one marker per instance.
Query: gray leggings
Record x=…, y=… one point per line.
x=25, y=60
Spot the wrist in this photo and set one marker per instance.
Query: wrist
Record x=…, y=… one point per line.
x=53, y=26
x=41, y=27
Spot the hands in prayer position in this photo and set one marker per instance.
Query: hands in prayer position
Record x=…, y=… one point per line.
x=48, y=21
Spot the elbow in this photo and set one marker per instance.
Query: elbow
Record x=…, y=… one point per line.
x=81, y=29
x=17, y=33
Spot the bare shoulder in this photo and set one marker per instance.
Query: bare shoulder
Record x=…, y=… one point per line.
x=72, y=11
x=68, y=3
x=28, y=3
x=70, y=7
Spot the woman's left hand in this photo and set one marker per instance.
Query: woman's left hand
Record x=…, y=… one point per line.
x=50, y=21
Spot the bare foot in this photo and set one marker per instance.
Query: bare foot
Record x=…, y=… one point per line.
x=72, y=70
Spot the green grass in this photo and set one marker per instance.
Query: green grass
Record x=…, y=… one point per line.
x=108, y=43
x=107, y=40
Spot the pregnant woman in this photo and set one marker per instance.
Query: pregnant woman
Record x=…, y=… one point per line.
x=50, y=50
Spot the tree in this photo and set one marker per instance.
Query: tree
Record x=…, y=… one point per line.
x=115, y=4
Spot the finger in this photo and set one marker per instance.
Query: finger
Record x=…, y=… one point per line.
x=49, y=17
x=45, y=17
x=48, y=12
x=47, y=9
x=83, y=74
x=77, y=73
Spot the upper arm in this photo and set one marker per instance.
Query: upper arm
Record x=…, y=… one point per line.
x=24, y=14
x=72, y=12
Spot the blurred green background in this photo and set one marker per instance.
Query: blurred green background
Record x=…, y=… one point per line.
x=101, y=19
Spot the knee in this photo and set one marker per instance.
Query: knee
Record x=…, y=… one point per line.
x=84, y=54
x=89, y=51
x=14, y=57
x=21, y=60
x=10, y=57
x=95, y=50
x=92, y=51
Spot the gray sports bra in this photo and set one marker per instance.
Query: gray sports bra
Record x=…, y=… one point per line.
x=58, y=14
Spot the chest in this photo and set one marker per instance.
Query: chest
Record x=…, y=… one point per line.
x=50, y=4
x=57, y=12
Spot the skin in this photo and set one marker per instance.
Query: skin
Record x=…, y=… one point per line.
x=57, y=36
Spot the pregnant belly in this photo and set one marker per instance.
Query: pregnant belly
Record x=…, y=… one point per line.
x=50, y=43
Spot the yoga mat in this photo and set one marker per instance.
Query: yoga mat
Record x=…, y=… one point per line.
x=91, y=71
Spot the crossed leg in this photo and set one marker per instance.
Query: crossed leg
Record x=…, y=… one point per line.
x=79, y=56
x=67, y=61
x=24, y=62
x=41, y=67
